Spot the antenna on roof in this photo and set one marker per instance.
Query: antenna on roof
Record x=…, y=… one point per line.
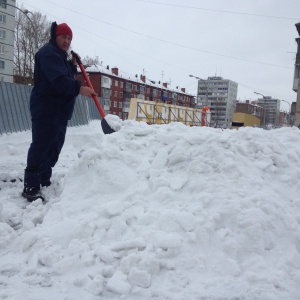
x=162, y=76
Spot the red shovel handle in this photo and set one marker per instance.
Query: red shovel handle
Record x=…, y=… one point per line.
x=87, y=80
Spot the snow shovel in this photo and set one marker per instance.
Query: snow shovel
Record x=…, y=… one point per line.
x=105, y=126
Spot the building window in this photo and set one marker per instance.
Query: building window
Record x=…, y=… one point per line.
x=142, y=89
x=128, y=86
x=1, y=49
x=121, y=84
x=2, y=34
x=116, y=94
x=116, y=82
x=105, y=80
x=115, y=103
x=120, y=104
x=121, y=95
x=1, y=64
x=3, y=3
x=3, y=19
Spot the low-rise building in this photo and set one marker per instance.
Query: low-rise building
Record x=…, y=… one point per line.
x=251, y=108
x=116, y=90
x=240, y=119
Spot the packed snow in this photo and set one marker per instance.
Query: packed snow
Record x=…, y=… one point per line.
x=155, y=212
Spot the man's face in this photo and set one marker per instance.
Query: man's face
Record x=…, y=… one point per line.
x=63, y=42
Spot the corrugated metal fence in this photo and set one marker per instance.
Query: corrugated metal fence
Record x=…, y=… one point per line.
x=15, y=114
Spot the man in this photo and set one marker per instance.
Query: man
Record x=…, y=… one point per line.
x=52, y=103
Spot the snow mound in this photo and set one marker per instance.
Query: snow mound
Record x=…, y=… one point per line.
x=159, y=212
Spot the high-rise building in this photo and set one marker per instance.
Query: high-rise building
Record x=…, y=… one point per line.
x=220, y=95
x=272, y=109
x=7, y=29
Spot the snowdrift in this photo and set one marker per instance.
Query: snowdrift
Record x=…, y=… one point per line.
x=155, y=212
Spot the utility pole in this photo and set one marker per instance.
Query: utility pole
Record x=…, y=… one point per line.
x=162, y=84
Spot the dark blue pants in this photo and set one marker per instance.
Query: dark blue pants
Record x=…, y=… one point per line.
x=48, y=137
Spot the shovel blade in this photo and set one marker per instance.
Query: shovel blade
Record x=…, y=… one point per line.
x=106, y=128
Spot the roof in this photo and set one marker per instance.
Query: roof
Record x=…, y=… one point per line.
x=149, y=82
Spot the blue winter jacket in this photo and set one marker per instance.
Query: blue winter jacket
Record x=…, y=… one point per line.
x=55, y=88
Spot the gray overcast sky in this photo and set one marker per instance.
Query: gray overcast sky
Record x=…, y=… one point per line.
x=249, y=42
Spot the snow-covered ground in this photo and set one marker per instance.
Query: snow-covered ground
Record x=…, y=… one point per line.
x=155, y=212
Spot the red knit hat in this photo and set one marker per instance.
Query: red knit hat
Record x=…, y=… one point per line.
x=63, y=28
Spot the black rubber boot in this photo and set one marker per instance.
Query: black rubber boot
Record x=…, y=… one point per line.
x=32, y=194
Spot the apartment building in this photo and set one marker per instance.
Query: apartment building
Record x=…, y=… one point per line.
x=220, y=94
x=117, y=90
x=272, y=110
x=296, y=83
x=7, y=29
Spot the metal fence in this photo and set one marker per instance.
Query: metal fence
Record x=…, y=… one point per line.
x=15, y=114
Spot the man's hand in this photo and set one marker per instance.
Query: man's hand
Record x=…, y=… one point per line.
x=73, y=60
x=86, y=91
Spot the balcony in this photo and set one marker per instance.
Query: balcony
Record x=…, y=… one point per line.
x=107, y=104
x=141, y=90
x=105, y=93
x=128, y=87
x=126, y=106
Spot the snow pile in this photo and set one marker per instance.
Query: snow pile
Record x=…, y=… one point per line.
x=155, y=212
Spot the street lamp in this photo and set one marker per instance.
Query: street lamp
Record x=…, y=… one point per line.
x=206, y=94
x=265, y=110
x=26, y=12
x=289, y=122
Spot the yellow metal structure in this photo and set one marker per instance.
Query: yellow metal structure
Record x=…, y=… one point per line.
x=161, y=113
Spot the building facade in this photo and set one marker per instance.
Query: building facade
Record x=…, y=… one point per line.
x=220, y=95
x=251, y=108
x=7, y=29
x=296, y=83
x=293, y=113
x=272, y=110
x=116, y=90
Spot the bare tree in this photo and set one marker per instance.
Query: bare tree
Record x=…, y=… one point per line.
x=29, y=30
x=90, y=61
